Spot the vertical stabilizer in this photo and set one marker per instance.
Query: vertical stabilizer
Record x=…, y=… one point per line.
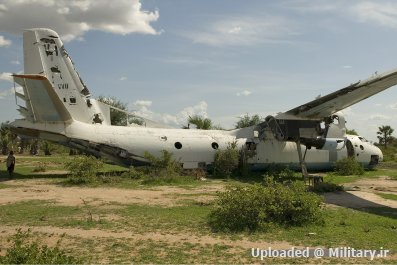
x=53, y=90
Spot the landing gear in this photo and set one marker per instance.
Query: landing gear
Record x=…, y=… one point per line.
x=302, y=159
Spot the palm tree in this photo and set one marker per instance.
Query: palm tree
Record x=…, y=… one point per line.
x=384, y=135
x=200, y=122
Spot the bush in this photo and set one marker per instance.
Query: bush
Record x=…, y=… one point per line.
x=226, y=161
x=280, y=173
x=257, y=207
x=134, y=173
x=26, y=251
x=163, y=166
x=348, y=166
x=83, y=169
x=326, y=187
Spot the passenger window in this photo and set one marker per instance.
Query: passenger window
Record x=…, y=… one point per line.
x=178, y=145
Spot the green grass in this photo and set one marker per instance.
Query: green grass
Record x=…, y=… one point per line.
x=374, y=173
x=388, y=196
x=342, y=227
x=47, y=213
x=146, y=218
x=4, y=186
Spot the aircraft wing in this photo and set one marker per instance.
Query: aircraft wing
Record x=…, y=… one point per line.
x=327, y=105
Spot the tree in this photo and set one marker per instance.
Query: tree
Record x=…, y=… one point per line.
x=7, y=138
x=247, y=121
x=119, y=112
x=117, y=117
x=200, y=122
x=384, y=135
x=351, y=132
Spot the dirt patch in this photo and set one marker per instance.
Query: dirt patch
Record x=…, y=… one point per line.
x=163, y=237
x=39, y=189
x=363, y=194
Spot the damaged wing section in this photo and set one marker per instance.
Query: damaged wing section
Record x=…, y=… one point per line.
x=327, y=105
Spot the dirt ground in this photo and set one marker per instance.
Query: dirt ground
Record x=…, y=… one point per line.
x=362, y=195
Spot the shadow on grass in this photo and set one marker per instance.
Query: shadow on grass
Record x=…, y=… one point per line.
x=348, y=200
x=4, y=176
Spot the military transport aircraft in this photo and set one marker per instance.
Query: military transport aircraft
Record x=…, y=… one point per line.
x=57, y=106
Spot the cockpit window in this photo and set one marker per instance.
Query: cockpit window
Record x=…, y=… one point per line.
x=362, y=139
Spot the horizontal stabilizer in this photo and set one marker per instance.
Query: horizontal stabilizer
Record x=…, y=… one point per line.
x=42, y=102
x=24, y=112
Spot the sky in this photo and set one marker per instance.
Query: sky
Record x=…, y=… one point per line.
x=168, y=59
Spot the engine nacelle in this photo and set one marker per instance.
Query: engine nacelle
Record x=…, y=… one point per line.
x=333, y=144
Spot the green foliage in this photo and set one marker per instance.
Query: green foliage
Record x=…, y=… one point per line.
x=348, y=166
x=326, y=187
x=280, y=173
x=351, y=132
x=200, y=122
x=258, y=207
x=385, y=135
x=163, y=166
x=83, y=169
x=389, y=153
x=247, y=121
x=134, y=173
x=118, y=110
x=226, y=161
x=26, y=251
x=8, y=140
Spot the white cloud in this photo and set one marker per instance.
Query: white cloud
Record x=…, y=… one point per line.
x=71, y=19
x=380, y=117
x=177, y=119
x=393, y=106
x=6, y=77
x=6, y=93
x=244, y=93
x=123, y=78
x=308, y=6
x=143, y=103
x=4, y=42
x=383, y=14
x=244, y=31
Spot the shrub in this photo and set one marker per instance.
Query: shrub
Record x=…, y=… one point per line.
x=134, y=173
x=326, y=187
x=226, y=161
x=348, y=166
x=83, y=169
x=25, y=251
x=163, y=166
x=280, y=173
x=257, y=207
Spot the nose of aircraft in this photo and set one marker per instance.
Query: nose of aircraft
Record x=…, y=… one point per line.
x=379, y=153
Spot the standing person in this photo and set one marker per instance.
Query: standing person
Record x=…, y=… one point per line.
x=11, y=163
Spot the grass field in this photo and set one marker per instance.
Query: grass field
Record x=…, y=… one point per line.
x=125, y=220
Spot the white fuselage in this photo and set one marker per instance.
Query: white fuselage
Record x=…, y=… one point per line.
x=194, y=148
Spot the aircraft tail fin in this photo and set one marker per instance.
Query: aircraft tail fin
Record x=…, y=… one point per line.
x=52, y=88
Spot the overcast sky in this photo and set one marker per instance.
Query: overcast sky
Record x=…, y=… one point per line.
x=219, y=58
